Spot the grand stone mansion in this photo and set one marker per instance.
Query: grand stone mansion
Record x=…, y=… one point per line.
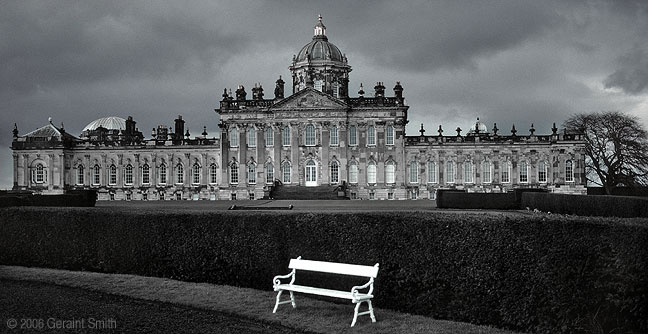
x=317, y=137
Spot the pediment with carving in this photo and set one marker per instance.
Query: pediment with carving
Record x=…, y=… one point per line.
x=309, y=99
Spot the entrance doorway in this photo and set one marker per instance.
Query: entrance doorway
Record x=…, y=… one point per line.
x=311, y=173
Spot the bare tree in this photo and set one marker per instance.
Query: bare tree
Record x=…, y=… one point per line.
x=617, y=148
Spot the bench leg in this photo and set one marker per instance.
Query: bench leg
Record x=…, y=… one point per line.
x=357, y=308
x=279, y=302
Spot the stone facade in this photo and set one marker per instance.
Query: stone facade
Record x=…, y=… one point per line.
x=318, y=136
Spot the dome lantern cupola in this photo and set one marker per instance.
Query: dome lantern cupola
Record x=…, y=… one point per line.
x=321, y=65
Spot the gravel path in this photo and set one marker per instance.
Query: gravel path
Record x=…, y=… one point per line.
x=77, y=310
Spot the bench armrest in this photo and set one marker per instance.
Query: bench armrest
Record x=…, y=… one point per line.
x=277, y=279
x=354, y=290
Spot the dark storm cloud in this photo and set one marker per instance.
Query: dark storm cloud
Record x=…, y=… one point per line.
x=424, y=35
x=50, y=43
x=632, y=75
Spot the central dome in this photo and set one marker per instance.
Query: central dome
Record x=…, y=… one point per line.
x=320, y=48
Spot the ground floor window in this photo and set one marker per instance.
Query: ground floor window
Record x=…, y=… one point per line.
x=390, y=194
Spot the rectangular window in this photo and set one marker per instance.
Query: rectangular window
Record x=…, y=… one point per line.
x=569, y=171
x=285, y=171
x=371, y=136
x=524, y=173
x=353, y=173
x=450, y=172
x=390, y=135
x=353, y=135
x=372, y=195
x=285, y=136
x=486, y=173
x=251, y=140
x=468, y=172
x=371, y=173
x=146, y=174
x=80, y=172
x=213, y=174
x=96, y=179
x=334, y=136
x=269, y=137
x=542, y=172
x=413, y=172
x=251, y=174
x=431, y=172
x=195, y=174
x=390, y=194
x=310, y=135
x=234, y=174
x=163, y=174
x=269, y=173
x=506, y=172
x=335, y=173
x=128, y=175
x=112, y=180
x=234, y=139
x=390, y=173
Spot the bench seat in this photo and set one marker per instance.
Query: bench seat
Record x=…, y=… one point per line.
x=323, y=292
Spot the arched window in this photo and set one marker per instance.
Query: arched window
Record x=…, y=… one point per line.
x=353, y=135
x=128, y=175
x=269, y=137
x=310, y=135
x=269, y=172
x=353, y=172
x=569, y=171
x=318, y=85
x=335, y=172
x=390, y=135
x=179, y=174
x=413, y=172
x=213, y=173
x=468, y=172
x=506, y=172
x=251, y=137
x=195, y=174
x=371, y=172
x=486, y=172
x=285, y=172
x=542, y=172
x=234, y=137
x=251, y=173
x=234, y=179
x=112, y=177
x=285, y=136
x=431, y=172
x=524, y=172
x=80, y=175
x=334, y=141
x=371, y=135
x=450, y=172
x=40, y=174
x=390, y=173
x=162, y=174
x=146, y=174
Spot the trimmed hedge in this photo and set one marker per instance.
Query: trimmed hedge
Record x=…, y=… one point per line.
x=537, y=273
x=465, y=200
x=604, y=205
x=79, y=198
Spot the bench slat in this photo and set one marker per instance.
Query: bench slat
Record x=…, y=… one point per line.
x=334, y=268
x=322, y=292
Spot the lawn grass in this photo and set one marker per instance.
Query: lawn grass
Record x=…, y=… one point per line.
x=311, y=315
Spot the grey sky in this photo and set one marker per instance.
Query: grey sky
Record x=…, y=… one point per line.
x=506, y=62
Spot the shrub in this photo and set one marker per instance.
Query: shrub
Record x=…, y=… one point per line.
x=465, y=200
x=535, y=273
x=607, y=206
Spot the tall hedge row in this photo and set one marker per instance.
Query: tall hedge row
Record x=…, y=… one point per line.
x=605, y=206
x=537, y=273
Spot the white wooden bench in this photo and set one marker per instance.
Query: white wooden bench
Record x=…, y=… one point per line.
x=354, y=295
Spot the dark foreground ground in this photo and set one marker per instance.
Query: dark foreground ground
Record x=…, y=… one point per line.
x=48, y=306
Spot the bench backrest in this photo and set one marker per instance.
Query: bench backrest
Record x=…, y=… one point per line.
x=334, y=268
